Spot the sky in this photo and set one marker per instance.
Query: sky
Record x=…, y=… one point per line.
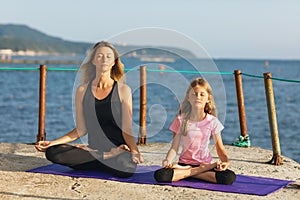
x=255, y=29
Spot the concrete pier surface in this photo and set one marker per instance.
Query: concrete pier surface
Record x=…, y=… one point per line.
x=15, y=183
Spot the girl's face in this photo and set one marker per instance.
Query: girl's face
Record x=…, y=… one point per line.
x=104, y=59
x=198, y=97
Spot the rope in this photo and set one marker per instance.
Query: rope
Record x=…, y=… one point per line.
x=273, y=78
x=61, y=69
x=48, y=69
x=126, y=69
x=19, y=68
x=285, y=80
x=187, y=71
x=251, y=75
x=149, y=70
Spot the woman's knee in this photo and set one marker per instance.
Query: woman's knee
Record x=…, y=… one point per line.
x=122, y=174
x=54, y=153
x=51, y=153
x=226, y=177
x=123, y=163
x=164, y=175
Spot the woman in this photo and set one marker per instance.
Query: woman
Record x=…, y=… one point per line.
x=104, y=111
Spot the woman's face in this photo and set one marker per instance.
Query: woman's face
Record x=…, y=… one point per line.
x=104, y=59
x=198, y=97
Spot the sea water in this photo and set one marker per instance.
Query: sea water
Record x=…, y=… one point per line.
x=19, y=98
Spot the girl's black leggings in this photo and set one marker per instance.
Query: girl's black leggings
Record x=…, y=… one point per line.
x=77, y=158
x=226, y=177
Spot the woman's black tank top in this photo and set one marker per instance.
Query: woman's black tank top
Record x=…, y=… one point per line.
x=103, y=119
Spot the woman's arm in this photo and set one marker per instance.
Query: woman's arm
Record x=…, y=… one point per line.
x=80, y=122
x=80, y=129
x=126, y=99
x=74, y=134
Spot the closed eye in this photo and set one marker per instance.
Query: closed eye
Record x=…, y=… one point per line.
x=196, y=94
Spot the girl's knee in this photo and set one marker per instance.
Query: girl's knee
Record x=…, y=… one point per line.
x=226, y=177
x=164, y=175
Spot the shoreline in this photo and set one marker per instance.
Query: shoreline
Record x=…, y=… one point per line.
x=41, y=62
x=16, y=158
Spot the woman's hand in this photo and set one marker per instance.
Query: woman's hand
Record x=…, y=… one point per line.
x=84, y=147
x=120, y=149
x=222, y=166
x=167, y=164
x=42, y=145
x=124, y=147
x=137, y=158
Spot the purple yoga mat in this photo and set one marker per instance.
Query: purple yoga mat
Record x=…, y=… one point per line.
x=144, y=175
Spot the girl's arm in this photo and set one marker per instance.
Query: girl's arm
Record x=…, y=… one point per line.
x=167, y=162
x=221, y=152
x=126, y=99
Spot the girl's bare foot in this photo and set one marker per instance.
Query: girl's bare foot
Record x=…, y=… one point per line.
x=176, y=166
x=208, y=166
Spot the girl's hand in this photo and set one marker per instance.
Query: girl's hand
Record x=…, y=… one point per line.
x=137, y=158
x=222, y=166
x=167, y=164
x=42, y=145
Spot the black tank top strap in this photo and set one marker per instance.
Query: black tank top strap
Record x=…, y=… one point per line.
x=103, y=119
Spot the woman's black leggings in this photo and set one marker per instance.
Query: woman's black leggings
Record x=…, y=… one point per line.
x=77, y=158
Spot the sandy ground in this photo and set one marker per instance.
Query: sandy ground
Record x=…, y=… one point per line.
x=15, y=183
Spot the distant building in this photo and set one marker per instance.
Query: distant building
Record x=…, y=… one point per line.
x=6, y=54
x=26, y=53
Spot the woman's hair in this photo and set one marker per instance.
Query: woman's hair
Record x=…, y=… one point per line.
x=88, y=69
x=185, y=107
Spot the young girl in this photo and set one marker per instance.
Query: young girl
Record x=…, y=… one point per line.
x=195, y=124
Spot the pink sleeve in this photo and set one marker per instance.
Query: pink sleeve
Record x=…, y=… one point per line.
x=217, y=126
x=176, y=125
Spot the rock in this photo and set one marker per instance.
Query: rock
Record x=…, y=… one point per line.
x=15, y=183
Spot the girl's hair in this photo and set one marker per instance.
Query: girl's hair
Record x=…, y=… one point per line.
x=89, y=69
x=185, y=107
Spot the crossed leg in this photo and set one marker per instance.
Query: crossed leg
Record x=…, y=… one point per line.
x=204, y=172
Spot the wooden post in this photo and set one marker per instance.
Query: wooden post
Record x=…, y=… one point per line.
x=143, y=105
x=272, y=119
x=41, y=136
x=240, y=100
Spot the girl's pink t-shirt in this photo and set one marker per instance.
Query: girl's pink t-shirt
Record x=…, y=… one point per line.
x=195, y=145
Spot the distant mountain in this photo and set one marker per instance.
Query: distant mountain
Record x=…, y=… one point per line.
x=22, y=38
